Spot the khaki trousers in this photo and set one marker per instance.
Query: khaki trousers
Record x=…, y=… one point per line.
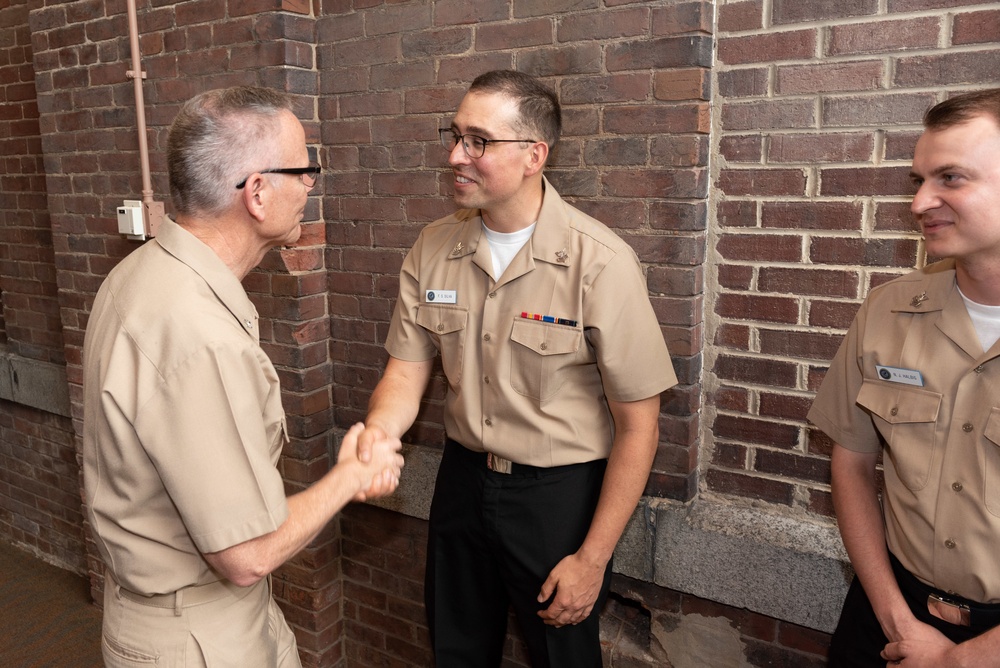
x=243, y=628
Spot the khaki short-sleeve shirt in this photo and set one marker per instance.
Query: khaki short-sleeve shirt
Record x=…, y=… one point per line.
x=911, y=377
x=531, y=358
x=183, y=423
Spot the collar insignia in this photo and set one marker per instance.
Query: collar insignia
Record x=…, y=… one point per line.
x=562, y=256
x=918, y=299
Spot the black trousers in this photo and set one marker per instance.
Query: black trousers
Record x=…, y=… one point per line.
x=493, y=539
x=858, y=639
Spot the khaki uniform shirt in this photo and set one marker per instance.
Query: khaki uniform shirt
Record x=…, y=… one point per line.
x=911, y=377
x=531, y=391
x=183, y=423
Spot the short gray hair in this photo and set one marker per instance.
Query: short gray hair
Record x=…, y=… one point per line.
x=218, y=138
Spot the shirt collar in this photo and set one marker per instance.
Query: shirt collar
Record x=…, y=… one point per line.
x=203, y=261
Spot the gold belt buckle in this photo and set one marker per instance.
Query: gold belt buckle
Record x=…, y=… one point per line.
x=949, y=611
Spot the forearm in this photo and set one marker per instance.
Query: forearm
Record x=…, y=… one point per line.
x=859, y=518
x=308, y=512
x=632, y=453
x=394, y=404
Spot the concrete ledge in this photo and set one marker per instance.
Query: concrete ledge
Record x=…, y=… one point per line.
x=778, y=564
x=34, y=383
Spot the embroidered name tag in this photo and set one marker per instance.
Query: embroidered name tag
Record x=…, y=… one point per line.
x=441, y=296
x=897, y=375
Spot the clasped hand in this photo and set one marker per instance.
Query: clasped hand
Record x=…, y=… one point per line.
x=377, y=458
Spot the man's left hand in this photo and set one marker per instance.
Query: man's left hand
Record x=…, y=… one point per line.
x=930, y=650
x=576, y=584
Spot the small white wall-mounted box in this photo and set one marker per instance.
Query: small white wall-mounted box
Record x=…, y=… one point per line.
x=130, y=221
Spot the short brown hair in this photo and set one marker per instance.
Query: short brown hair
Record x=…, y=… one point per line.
x=962, y=108
x=537, y=104
x=218, y=138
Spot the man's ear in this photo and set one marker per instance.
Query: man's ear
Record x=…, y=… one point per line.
x=537, y=155
x=255, y=196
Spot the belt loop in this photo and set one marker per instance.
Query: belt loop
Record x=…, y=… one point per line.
x=178, y=603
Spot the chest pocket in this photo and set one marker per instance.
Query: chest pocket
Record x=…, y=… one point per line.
x=992, y=456
x=907, y=419
x=540, y=357
x=447, y=325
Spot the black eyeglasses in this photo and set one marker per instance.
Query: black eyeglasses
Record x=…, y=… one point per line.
x=308, y=175
x=474, y=145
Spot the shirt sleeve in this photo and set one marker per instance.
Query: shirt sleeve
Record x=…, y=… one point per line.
x=622, y=327
x=406, y=339
x=205, y=433
x=835, y=409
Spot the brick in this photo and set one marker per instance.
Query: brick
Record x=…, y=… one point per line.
x=885, y=181
x=799, y=11
x=760, y=247
x=660, y=53
x=818, y=148
x=785, y=406
x=832, y=314
x=762, y=182
x=433, y=43
x=753, y=487
x=769, y=114
x=812, y=215
x=800, y=345
x=682, y=84
x=894, y=217
x=737, y=213
x=513, y=35
x=455, y=12
x=942, y=70
x=876, y=110
x=975, y=27
x=555, y=61
x=898, y=6
x=605, y=24
x=736, y=277
x=656, y=183
x=679, y=151
x=758, y=308
x=808, y=281
x=748, y=430
x=646, y=119
x=863, y=252
x=682, y=18
x=829, y=77
x=769, y=47
x=877, y=37
x=743, y=82
x=900, y=144
x=630, y=87
x=739, y=16
x=742, y=148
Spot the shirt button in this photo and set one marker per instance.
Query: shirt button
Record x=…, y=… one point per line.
x=894, y=411
x=486, y=380
x=957, y=486
x=489, y=422
x=544, y=346
x=980, y=369
x=967, y=427
x=493, y=295
x=486, y=337
x=440, y=327
x=950, y=544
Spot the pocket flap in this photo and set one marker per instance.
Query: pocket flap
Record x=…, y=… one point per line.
x=899, y=404
x=992, y=431
x=441, y=318
x=546, y=338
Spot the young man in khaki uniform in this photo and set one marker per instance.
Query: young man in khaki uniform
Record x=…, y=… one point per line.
x=917, y=379
x=183, y=423
x=554, y=362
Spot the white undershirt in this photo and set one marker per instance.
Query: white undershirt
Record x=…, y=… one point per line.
x=986, y=320
x=504, y=246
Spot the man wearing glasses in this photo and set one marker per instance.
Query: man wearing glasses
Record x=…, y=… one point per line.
x=183, y=423
x=554, y=363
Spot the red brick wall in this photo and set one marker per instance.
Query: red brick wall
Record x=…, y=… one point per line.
x=39, y=475
x=819, y=107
